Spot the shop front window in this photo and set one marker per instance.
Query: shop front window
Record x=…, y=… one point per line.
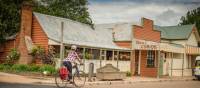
x=124, y=56
x=150, y=58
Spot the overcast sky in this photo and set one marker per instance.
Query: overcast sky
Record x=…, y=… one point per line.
x=163, y=12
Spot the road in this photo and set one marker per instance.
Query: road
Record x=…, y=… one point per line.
x=172, y=84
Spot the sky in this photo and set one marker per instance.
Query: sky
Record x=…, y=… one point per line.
x=163, y=12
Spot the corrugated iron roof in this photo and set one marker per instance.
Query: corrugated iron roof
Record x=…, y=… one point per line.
x=122, y=31
x=75, y=32
x=175, y=32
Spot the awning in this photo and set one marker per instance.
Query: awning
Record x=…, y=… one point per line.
x=192, y=49
x=149, y=45
x=91, y=45
x=175, y=48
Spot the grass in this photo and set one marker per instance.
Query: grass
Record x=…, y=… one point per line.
x=21, y=68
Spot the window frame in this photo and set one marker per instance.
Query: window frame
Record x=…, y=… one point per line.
x=151, y=58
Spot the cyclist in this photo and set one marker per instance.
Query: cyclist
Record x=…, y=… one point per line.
x=71, y=60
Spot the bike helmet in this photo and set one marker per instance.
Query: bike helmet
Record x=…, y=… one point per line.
x=73, y=47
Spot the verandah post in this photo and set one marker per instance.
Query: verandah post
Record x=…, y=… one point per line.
x=172, y=56
x=113, y=55
x=84, y=58
x=158, y=69
x=100, y=57
x=117, y=59
x=139, y=64
x=61, y=44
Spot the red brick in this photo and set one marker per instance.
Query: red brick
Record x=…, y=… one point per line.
x=146, y=31
x=125, y=44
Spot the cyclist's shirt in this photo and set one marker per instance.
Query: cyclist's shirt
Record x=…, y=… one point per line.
x=71, y=56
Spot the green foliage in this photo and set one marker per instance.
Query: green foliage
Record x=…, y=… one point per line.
x=192, y=17
x=25, y=68
x=128, y=74
x=88, y=56
x=13, y=56
x=10, y=13
x=71, y=9
x=20, y=68
x=48, y=68
x=34, y=68
x=17, y=68
x=9, y=17
x=37, y=51
x=5, y=67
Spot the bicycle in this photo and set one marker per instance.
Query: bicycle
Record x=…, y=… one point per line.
x=79, y=77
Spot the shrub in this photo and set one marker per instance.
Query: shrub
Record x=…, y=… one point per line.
x=5, y=67
x=20, y=68
x=34, y=68
x=88, y=56
x=49, y=68
x=37, y=51
x=13, y=56
x=128, y=73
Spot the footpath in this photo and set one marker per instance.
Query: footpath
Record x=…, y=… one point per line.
x=13, y=78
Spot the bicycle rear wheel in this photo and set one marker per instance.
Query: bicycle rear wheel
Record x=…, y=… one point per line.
x=60, y=83
x=79, y=79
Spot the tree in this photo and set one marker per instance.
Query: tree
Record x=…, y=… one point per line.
x=192, y=17
x=71, y=9
x=10, y=13
x=9, y=18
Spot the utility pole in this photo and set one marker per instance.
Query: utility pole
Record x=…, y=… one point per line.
x=61, y=44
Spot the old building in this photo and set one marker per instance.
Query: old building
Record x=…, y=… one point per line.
x=144, y=50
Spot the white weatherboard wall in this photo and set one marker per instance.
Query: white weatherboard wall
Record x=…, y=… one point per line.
x=176, y=64
x=177, y=67
x=123, y=66
x=192, y=40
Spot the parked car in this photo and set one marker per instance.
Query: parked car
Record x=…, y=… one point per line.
x=197, y=68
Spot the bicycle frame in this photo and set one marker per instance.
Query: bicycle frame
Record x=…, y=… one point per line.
x=77, y=69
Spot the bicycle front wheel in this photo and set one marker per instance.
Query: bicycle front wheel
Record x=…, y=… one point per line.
x=60, y=83
x=79, y=79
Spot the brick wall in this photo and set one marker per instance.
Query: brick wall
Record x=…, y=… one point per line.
x=6, y=50
x=147, y=71
x=125, y=44
x=146, y=31
x=38, y=35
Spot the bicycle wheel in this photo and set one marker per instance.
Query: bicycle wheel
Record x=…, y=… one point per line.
x=79, y=79
x=60, y=83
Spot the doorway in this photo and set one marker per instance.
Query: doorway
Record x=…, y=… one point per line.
x=136, y=63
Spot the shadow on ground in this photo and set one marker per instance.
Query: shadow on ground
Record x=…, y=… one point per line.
x=17, y=85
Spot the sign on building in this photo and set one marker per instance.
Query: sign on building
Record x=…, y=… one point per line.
x=145, y=45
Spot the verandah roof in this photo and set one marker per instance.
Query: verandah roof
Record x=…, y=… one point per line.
x=75, y=32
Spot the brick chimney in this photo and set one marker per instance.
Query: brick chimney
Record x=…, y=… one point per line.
x=25, y=30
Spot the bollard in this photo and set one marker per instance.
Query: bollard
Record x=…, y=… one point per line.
x=91, y=72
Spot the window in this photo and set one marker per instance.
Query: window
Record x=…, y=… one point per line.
x=124, y=56
x=150, y=58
